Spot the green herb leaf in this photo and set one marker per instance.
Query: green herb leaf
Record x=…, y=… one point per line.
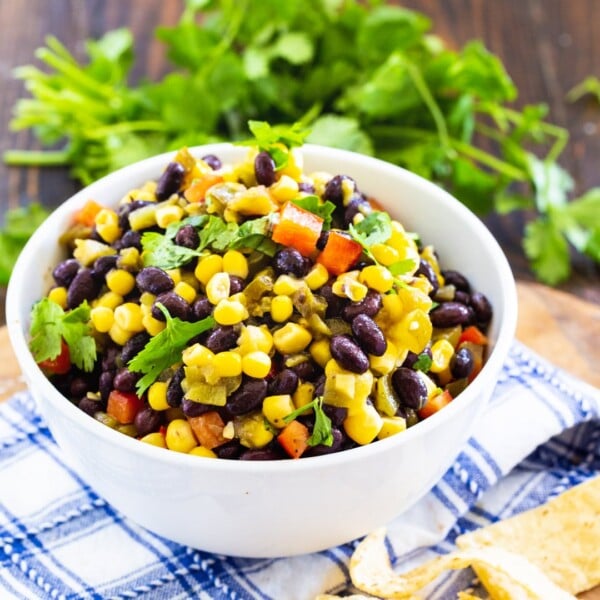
x=164, y=349
x=315, y=206
x=321, y=433
x=50, y=324
x=375, y=228
x=160, y=251
x=423, y=362
x=590, y=85
x=547, y=250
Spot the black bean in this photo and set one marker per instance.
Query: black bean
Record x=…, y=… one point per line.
x=90, y=406
x=320, y=449
x=369, y=306
x=236, y=284
x=337, y=414
x=288, y=261
x=334, y=189
x=188, y=237
x=134, y=346
x=154, y=280
x=264, y=168
x=348, y=354
x=335, y=304
x=125, y=380
x=110, y=357
x=229, y=450
x=148, y=421
x=201, y=308
x=410, y=387
x=170, y=181
x=285, y=382
x=78, y=388
x=195, y=409
x=83, y=287
x=482, y=308
x=174, y=391
x=458, y=280
x=355, y=206
x=450, y=314
x=462, y=363
x=411, y=358
x=368, y=335
x=306, y=370
x=130, y=239
x=214, y=162
x=320, y=385
x=222, y=338
x=126, y=209
x=267, y=453
x=427, y=271
x=175, y=305
x=462, y=297
x=65, y=272
x=322, y=240
x=103, y=265
x=248, y=396
x=105, y=384
x=307, y=188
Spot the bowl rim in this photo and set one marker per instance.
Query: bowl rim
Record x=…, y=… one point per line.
x=18, y=336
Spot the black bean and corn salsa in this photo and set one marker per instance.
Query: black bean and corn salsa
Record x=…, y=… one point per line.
x=251, y=311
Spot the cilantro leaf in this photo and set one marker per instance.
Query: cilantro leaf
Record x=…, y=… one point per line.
x=423, y=362
x=321, y=433
x=590, y=85
x=164, y=349
x=375, y=228
x=217, y=234
x=315, y=206
x=50, y=324
x=254, y=235
x=547, y=250
x=161, y=251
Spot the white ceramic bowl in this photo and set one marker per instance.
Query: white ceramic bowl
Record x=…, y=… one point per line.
x=276, y=508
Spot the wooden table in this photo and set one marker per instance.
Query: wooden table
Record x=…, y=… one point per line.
x=548, y=46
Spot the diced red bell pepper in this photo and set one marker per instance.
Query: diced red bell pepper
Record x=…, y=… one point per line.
x=59, y=365
x=87, y=215
x=473, y=334
x=294, y=438
x=197, y=190
x=208, y=429
x=298, y=228
x=340, y=253
x=124, y=406
x=435, y=403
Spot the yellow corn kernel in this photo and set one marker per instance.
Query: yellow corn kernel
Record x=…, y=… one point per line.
x=227, y=364
x=186, y=291
x=403, y=243
x=377, y=278
x=253, y=201
x=381, y=365
x=428, y=253
x=179, y=436
x=119, y=335
x=347, y=286
x=154, y=439
x=165, y=215
x=147, y=299
x=317, y=276
x=304, y=394
x=58, y=295
x=286, y=285
x=253, y=337
x=174, y=274
x=107, y=225
x=364, y=425
x=441, y=353
x=412, y=297
x=197, y=355
x=392, y=308
x=384, y=254
x=110, y=300
x=291, y=338
x=422, y=284
x=87, y=251
x=256, y=364
x=218, y=287
x=229, y=312
x=295, y=164
x=207, y=267
x=319, y=180
x=239, y=297
x=102, y=318
x=189, y=278
x=276, y=408
x=282, y=308
x=320, y=352
x=413, y=331
x=391, y=426
x=202, y=451
x=157, y=395
x=129, y=258
x=235, y=263
x=252, y=430
x=129, y=317
x=153, y=326
x=285, y=189
x=120, y=281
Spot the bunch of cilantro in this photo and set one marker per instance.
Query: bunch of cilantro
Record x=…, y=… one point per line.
x=363, y=76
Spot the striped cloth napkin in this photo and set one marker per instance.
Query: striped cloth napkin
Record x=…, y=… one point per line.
x=58, y=539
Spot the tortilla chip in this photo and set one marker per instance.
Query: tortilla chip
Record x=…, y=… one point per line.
x=561, y=537
x=371, y=572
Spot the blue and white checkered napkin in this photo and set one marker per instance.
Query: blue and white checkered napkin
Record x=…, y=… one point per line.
x=59, y=539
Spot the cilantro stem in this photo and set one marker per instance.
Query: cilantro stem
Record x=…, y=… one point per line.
x=39, y=158
x=127, y=127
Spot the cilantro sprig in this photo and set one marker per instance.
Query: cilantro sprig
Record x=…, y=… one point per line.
x=164, y=349
x=368, y=77
x=50, y=324
x=321, y=433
